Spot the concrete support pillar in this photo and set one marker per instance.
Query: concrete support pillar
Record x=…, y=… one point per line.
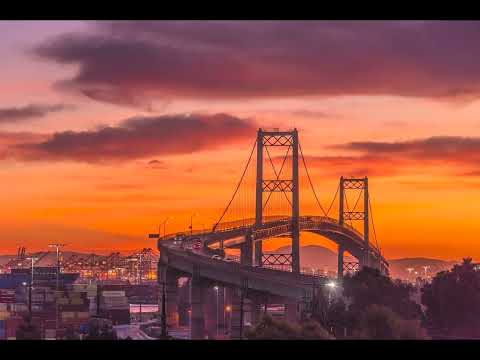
x=221, y=308
x=236, y=315
x=246, y=251
x=291, y=312
x=341, y=251
x=256, y=312
x=210, y=311
x=170, y=277
x=197, y=324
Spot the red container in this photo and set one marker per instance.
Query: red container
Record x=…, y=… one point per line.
x=11, y=326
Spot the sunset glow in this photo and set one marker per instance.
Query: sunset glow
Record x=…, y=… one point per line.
x=107, y=129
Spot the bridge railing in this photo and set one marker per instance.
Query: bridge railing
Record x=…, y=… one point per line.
x=272, y=224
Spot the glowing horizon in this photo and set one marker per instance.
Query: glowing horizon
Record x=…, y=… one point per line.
x=108, y=128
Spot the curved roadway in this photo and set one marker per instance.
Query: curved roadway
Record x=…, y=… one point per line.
x=178, y=252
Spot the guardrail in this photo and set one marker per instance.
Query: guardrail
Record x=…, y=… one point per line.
x=271, y=225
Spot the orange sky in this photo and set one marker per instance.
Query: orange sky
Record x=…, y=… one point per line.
x=95, y=187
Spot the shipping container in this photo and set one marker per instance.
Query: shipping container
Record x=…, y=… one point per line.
x=3, y=333
x=50, y=334
x=11, y=326
x=4, y=315
x=68, y=314
x=113, y=293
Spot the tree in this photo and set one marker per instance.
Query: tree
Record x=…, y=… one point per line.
x=379, y=322
x=452, y=302
x=100, y=329
x=366, y=288
x=369, y=286
x=271, y=329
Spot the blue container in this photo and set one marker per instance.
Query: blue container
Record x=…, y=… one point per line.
x=2, y=330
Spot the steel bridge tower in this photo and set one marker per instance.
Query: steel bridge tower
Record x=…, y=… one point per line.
x=287, y=139
x=360, y=184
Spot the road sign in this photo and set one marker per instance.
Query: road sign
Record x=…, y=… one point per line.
x=153, y=236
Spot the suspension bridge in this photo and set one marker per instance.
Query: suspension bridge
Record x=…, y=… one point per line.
x=266, y=205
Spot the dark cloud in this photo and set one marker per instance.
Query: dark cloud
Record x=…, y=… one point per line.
x=442, y=148
x=456, y=155
x=137, y=138
x=134, y=62
x=157, y=164
x=16, y=114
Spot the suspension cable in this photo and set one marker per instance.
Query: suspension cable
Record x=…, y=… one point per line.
x=373, y=226
x=333, y=200
x=310, y=180
x=277, y=177
x=238, y=186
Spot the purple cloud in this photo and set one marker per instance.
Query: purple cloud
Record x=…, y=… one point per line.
x=16, y=114
x=136, y=62
x=137, y=138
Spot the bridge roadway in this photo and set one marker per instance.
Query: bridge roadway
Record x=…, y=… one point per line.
x=233, y=235
x=179, y=258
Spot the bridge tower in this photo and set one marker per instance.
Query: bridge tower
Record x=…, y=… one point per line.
x=287, y=139
x=359, y=184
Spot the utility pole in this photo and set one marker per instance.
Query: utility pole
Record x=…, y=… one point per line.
x=164, y=315
x=242, y=300
x=57, y=248
x=140, y=281
x=191, y=223
x=32, y=259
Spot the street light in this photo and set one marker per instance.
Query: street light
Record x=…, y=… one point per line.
x=191, y=223
x=164, y=224
x=228, y=309
x=331, y=286
x=216, y=311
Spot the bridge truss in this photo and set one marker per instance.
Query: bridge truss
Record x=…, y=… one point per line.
x=277, y=177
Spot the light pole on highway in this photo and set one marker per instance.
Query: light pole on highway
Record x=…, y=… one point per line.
x=228, y=309
x=164, y=224
x=216, y=316
x=191, y=223
x=331, y=287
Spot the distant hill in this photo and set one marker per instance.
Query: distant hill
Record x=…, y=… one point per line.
x=314, y=256
x=398, y=267
x=320, y=257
